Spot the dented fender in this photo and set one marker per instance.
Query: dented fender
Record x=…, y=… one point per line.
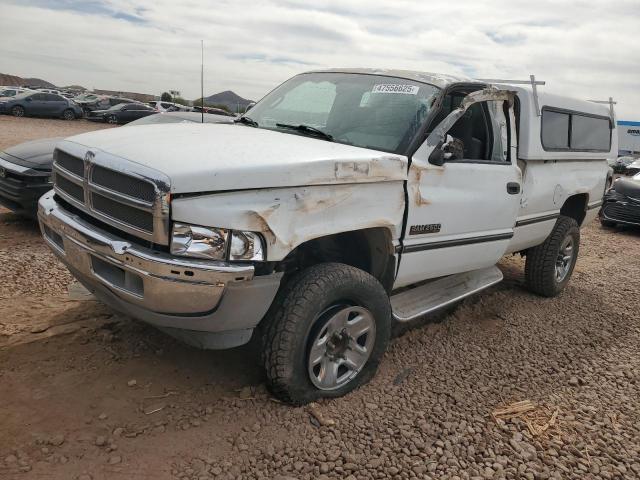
x=289, y=217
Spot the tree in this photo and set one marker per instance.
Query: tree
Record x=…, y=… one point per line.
x=165, y=97
x=181, y=101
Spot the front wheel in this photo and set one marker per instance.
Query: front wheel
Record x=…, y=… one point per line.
x=549, y=266
x=112, y=119
x=326, y=333
x=17, y=111
x=69, y=114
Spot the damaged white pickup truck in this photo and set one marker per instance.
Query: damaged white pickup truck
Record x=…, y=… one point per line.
x=344, y=201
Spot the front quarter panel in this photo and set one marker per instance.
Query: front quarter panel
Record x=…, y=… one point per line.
x=288, y=217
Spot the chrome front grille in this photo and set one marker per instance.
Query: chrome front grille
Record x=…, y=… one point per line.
x=124, y=184
x=70, y=163
x=69, y=187
x=130, y=215
x=123, y=194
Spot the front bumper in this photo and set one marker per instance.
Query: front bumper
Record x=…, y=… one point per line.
x=205, y=303
x=624, y=210
x=20, y=188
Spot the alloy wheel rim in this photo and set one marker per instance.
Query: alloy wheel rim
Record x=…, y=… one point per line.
x=564, y=259
x=113, y=119
x=341, y=348
x=19, y=112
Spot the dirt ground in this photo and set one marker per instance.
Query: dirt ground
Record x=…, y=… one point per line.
x=87, y=394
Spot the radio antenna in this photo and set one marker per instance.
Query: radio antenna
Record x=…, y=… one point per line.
x=202, y=79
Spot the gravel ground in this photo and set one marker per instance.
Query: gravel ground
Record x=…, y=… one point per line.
x=89, y=394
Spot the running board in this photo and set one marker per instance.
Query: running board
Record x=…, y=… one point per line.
x=415, y=302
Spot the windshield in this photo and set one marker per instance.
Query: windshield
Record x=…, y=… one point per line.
x=370, y=111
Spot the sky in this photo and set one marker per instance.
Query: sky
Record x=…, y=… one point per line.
x=585, y=49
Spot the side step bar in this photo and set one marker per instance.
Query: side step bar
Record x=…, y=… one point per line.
x=415, y=302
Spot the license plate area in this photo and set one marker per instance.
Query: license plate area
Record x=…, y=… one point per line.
x=117, y=277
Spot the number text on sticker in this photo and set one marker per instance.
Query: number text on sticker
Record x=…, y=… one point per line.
x=396, y=88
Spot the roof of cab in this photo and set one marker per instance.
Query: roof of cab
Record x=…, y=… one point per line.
x=442, y=80
x=438, y=79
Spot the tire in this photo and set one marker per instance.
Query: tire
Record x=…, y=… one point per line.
x=112, y=119
x=17, y=111
x=69, y=114
x=549, y=266
x=316, y=311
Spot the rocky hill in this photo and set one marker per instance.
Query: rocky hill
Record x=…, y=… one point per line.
x=229, y=99
x=14, y=80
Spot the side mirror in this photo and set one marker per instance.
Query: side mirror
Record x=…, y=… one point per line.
x=437, y=156
x=249, y=107
x=450, y=149
x=28, y=99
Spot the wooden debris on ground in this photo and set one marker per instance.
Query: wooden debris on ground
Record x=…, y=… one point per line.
x=314, y=410
x=538, y=419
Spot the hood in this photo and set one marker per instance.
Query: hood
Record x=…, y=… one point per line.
x=628, y=186
x=212, y=157
x=34, y=154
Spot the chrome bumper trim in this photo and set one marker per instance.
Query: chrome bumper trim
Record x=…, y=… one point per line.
x=154, y=281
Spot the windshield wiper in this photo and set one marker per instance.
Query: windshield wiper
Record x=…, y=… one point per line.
x=307, y=129
x=247, y=121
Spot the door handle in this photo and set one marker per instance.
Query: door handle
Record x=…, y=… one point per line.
x=513, y=188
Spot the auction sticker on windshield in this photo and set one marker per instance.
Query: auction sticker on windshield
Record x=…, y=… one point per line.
x=396, y=88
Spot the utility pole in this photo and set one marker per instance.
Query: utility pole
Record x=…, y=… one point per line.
x=202, y=79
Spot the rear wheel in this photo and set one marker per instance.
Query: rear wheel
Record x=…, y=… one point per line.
x=549, y=266
x=69, y=114
x=326, y=333
x=17, y=111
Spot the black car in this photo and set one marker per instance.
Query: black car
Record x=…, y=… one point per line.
x=621, y=204
x=25, y=169
x=40, y=104
x=182, y=117
x=25, y=174
x=121, y=113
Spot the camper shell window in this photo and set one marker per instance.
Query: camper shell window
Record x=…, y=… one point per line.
x=565, y=130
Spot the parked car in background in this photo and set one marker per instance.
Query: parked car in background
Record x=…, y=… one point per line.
x=633, y=168
x=162, y=106
x=216, y=111
x=40, y=104
x=100, y=102
x=25, y=174
x=181, y=117
x=620, y=164
x=121, y=113
x=621, y=204
x=12, y=91
x=49, y=90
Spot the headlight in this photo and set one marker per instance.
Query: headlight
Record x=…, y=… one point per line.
x=246, y=246
x=199, y=242
x=213, y=243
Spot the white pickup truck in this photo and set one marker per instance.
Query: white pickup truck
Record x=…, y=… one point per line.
x=344, y=201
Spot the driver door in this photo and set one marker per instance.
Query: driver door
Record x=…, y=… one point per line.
x=461, y=213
